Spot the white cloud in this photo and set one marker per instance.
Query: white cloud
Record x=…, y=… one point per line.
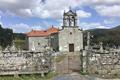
x=84, y=14
x=86, y=26
x=24, y=28
x=110, y=8
x=54, y=8
x=102, y=27
x=17, y=7
x=110, y=21
x=0, y=20
x=112, y=11
x=37, y=27
x=101, y=2
x=20, y=28
x=36, y=8
x=1, y=23
x=1, y=14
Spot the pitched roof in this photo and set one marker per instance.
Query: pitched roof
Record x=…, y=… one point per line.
x=52, y=30
x=42, y=33
x=70, y=12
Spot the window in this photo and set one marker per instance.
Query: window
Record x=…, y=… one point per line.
x=70, y=33
x=38, y=43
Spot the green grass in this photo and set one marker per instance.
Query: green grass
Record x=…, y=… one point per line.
x=48, y=76
x=60, y=58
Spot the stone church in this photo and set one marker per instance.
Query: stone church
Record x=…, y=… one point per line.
x=67, y=39
x=70, y=37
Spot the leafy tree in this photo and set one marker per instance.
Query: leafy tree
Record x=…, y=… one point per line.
x=6, y=36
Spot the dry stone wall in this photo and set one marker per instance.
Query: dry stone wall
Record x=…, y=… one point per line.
x=24, y=62
x=95, y=62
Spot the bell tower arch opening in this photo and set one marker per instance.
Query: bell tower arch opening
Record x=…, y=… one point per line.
x=69, y=19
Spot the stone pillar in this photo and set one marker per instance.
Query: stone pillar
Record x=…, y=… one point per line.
x=0, y=50
x=42, y=74
x=33, y=46
x=88, y=40
x=16, y=75
x=75, y=23
x=84, y=61
x=54, y=64
x=101, y=47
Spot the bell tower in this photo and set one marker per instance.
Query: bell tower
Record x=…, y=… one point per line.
x=69, y=19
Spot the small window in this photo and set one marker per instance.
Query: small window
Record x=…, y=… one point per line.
x=70, y=33
x=38, y=43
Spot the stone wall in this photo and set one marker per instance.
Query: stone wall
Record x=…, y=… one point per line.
x=37, y=43
x=40, y=43
x=54, y=42
x=102, y=63
x=24, y=62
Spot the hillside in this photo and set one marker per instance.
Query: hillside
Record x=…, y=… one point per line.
x=20, y=40
x=7, y=36
x=109, y=37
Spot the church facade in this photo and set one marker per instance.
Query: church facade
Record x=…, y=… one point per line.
x=70, y=37
x=67, y=39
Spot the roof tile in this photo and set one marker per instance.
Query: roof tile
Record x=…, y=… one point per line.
x=42, y=33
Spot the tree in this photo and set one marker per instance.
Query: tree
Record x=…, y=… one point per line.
x=6, y=36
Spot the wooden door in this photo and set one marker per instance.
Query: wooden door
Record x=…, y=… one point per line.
x=71, y=47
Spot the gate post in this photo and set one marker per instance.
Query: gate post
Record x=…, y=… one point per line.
x=84, y=61
x=42, y=74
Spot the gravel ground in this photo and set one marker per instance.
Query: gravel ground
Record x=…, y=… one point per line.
x=75, y=76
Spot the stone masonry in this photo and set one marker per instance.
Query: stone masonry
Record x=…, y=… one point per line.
x=70, y=37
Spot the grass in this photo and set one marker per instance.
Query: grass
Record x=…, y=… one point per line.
x=60, y=58
x=48, y=76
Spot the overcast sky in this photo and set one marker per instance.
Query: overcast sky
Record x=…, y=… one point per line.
x=25, y=15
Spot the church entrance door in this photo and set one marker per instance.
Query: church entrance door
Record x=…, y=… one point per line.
x=71, y=47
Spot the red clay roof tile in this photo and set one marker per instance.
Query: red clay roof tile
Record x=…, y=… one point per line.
x=42, y=33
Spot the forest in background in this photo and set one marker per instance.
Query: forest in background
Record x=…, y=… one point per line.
x=7, y=37
x=109, y=37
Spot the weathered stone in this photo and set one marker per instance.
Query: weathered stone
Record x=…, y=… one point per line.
x=107, y=64
x=24, y=62
x=70, y=37
x=16, y=75
x=42, y=74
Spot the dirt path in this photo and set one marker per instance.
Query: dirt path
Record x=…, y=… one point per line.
x=75, y=76
x=71, y=63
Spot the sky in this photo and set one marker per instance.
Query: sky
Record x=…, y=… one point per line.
x=25, y=15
